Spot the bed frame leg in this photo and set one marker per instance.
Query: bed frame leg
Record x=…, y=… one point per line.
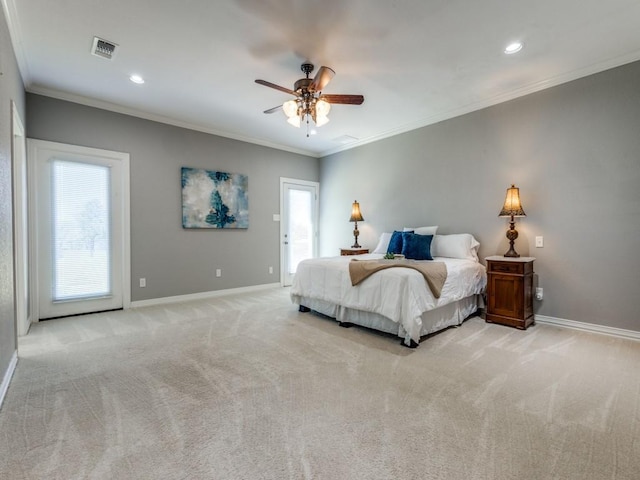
x=304, y=309
x=345, y=324
x=411, y=345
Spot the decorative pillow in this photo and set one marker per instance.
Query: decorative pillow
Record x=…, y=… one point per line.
x=422, y=230
x=416, y=246
x=395, y=242
x=383, y=243
x=459, y=245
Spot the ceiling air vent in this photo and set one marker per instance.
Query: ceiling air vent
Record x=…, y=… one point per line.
x=103, y=48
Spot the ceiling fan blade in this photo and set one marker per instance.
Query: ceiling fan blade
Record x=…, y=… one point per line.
x=274, y=109
x=344, y=99
x=322, y=79
x=277, y=87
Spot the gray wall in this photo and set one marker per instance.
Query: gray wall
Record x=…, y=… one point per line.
x=574, y=151
x=173, y=260
x=11, y=89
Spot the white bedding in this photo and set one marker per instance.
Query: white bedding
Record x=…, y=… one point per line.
x=399, y=294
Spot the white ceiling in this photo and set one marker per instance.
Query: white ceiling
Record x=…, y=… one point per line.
x=415, y=61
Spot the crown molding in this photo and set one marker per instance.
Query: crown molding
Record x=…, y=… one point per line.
x=504, y=97
x=15, y=33
x=114, y=107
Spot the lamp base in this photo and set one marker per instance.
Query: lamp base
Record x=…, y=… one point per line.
x=356, y=233
x=512, y=253
x=512, y=234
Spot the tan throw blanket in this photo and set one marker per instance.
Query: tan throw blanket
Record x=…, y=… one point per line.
x=435, y=273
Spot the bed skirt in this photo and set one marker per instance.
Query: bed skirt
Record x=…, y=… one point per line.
x=452, y=314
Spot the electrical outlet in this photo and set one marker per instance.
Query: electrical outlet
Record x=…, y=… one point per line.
x=539, y=242
x=143, y=282
x=270, y=270
x=218, y=272
x=539, y=293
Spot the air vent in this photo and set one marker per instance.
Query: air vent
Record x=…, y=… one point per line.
x=103, y=48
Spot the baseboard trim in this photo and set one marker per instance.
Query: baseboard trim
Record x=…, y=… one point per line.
x=589, y=327
x=7, y=377
x=202, y=295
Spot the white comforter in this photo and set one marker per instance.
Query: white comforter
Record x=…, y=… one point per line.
x=400, y=294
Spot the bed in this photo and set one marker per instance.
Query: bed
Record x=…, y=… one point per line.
x=395, y=300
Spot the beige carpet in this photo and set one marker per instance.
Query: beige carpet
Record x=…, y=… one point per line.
x=245, y=387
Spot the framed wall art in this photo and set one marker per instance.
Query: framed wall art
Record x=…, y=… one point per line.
x=212, y=199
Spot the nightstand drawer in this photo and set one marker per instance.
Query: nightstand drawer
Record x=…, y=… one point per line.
x=506, y=267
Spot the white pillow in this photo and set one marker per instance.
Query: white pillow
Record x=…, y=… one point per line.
x=459, y=245
x=383, y=244
x=422, y=230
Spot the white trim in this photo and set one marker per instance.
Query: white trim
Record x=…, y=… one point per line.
x=423, y=122
x=7, y=376
x=588, y=327
x=501, y=98
x=126, y=232
x=15, y=33
x=22, y=292
x=284, y=221
x=33, y=145
x=202, y=295
x=113, y=107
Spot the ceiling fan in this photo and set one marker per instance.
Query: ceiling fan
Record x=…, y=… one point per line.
x=310, y=101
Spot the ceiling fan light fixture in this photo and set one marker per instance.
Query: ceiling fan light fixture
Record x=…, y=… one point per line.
x=290, y=108
x=310, y=103
x=321, y=120
x=294, y=120
x=322, y=108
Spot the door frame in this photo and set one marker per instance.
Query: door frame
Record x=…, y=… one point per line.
x=304, y=183
x=33, y=145
x=23, y=310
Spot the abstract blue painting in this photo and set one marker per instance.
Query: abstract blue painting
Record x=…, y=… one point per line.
x=214, y=199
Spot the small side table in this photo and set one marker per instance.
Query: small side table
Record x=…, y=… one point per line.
x=353, y=251
x=510, y=291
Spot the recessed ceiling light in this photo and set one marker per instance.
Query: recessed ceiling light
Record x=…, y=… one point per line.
x=137, y=79
x=514, y=47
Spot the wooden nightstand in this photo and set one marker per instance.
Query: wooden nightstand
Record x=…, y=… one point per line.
x=353, y=251
x=510, y=291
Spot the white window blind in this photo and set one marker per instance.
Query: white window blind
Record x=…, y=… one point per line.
x=81, y=231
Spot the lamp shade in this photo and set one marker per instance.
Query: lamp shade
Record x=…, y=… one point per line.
x=322, y=108
x=295, y=121
x=321, y=120
x=290, y=108
x=512, y=205
x=356, y=216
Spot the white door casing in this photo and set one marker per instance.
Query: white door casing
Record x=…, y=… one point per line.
x=299, y=205
x=45, y=158
x=20, y=224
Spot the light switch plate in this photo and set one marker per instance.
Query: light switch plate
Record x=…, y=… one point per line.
x=539, y=242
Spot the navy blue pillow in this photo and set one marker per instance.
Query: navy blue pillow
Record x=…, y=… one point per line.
x=395, y=242
x=417, y=247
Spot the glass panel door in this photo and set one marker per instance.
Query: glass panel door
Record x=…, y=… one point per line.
x=299, y=225
x=80, y=196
